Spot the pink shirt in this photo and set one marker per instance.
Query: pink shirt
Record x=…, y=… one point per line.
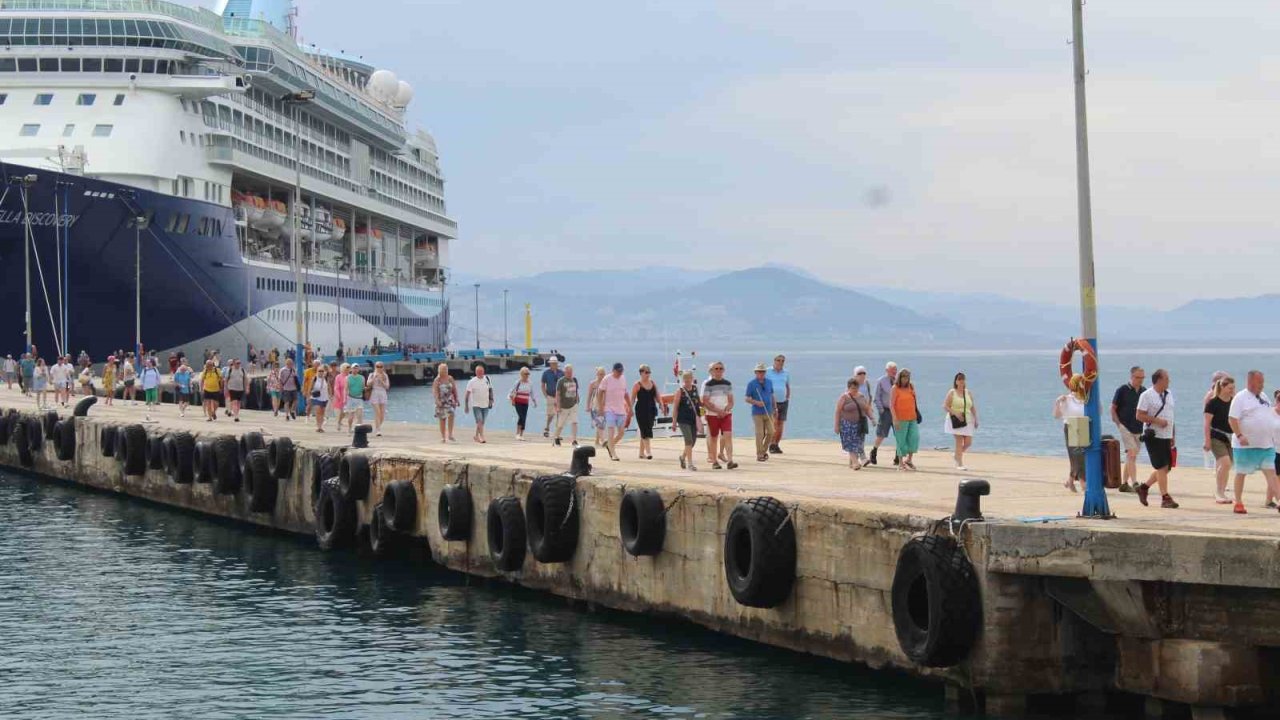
x=340, y=391
x=615, y=394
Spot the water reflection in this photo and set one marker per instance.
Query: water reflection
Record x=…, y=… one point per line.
x=112, y=607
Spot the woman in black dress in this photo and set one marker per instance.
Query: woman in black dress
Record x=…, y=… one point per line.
x=645, y=391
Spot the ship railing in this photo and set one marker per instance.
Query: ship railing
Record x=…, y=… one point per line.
x=202, y=17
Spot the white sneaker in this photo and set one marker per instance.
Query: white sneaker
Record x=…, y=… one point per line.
x=961, y=468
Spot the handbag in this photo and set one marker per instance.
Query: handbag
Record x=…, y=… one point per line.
x=1149, y=433
x=959, y=421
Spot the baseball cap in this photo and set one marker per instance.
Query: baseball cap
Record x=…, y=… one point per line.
x=617, y=366
x=860, y=370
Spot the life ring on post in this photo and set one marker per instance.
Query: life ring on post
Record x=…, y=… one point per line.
x=1087, y=355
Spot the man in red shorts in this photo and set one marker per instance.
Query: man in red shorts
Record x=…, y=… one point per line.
x=717, y=398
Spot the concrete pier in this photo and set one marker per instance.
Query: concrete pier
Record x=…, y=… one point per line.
x=1178, y=607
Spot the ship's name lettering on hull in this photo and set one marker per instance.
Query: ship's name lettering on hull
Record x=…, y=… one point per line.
x=14, y=217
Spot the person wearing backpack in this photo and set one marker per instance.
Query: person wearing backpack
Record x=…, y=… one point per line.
x=237, y=383
x=211, y=389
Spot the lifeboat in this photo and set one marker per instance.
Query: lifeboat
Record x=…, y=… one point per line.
x=339, y=229
x=304, y=222
x=275, y=213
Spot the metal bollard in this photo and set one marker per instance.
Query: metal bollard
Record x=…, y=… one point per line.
x=360, y=436
x=581, y=465
x=969, y=500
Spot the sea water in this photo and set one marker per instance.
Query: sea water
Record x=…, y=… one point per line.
x=1013, y=390
x=115, y=608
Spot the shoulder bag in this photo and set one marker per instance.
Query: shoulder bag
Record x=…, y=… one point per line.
x=959, y=421
x=1149, y=433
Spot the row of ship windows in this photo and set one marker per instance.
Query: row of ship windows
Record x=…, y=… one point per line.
x=329, y=317
x=83, y=99
x=180, y=224
x=68, y=130
x=332, y=291
x=110, y=65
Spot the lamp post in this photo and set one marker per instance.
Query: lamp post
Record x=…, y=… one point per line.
x=294, y=100
x=24, y=182
x=1095, y=494
x=505, y=344
x=477, y=316
x=139, y=222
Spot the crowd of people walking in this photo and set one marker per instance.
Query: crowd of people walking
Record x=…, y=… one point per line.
x=1240, y=429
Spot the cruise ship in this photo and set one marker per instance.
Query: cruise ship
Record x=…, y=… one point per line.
x=171, y=172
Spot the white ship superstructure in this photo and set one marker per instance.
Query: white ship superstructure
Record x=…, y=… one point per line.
x=205, y=122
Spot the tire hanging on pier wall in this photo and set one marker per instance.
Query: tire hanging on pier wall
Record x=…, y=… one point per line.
x=155, y=452
x=64, y=439
x=506, y=533
x=249, y=442
x=48, y=422
x=399, y=508
x=280, y=458
x=135, y=449
x=353, y=476
x=760, y=553
x=107, y=440
x=551, y=518
x=35, y=436
x=5, y=424
x=453, y=512
x=202, y=461
x=20, y=440
x=180, y=457
x=642, y=522
x=226, y=466
x=335, y=518
x=259, y=483
x=937, y=608
x=324, y=466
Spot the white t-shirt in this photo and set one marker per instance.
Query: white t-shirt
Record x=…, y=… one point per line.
x=60, y=373
x=10, y=365
x=1256, y=419
x=1072, y=406
x=478, y=391
x=1149, y=402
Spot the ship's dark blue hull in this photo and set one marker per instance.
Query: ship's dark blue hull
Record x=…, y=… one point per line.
x=197, y=290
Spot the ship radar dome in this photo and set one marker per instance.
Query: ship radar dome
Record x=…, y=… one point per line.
x=383, y=85
x=404, y=94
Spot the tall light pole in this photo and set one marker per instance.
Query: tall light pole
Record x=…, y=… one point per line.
x=294, y=100
x=24, y=182
x=399, y=317
x=138, y=222
x=505, y=344
x=477, y=316
x=1095, y=494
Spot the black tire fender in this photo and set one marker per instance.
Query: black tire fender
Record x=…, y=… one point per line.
x=353, y=476
x=453, y=512
x=335, y=521
x=122, y=448
x=155, y=452
x=226, y=466
x=259, y=483
x=506, y=533
x=35, y=434
x=25, y=457
x=760, y=553
x=202, y=464
x=324, y=466
x=64, y=439
x=936, y=603
x=180, y=460
x=382, y=538
x=400, y=505
x=551, y=518
x=249, y=442
x=48, y=422
x=82, y=407
x=107, y=440
x=642, y=522
x=280, y=458
x=5, y=425
x=135, y=446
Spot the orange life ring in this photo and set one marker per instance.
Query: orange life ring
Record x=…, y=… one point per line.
x=1089, y=357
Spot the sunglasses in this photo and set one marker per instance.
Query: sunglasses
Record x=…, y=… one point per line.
x=644, y=372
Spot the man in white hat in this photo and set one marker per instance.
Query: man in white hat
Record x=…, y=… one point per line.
x=760, y=397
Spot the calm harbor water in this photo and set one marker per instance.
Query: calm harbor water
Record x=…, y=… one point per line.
x=110, y=607
x=1013, y=389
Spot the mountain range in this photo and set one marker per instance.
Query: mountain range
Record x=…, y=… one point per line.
x=775, y=302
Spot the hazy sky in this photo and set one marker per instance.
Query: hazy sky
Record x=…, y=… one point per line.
x=926, y=145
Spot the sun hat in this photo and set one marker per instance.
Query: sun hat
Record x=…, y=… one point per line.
x=760, y=367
